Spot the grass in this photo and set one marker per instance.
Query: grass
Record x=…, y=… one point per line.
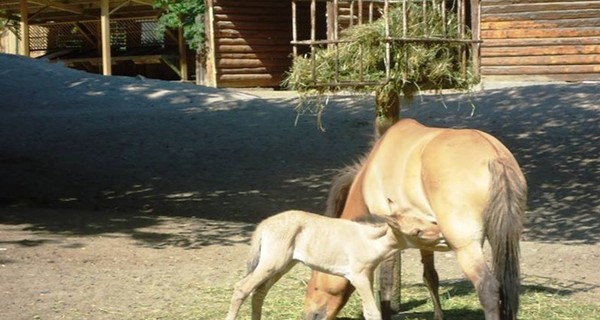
x=459, y=301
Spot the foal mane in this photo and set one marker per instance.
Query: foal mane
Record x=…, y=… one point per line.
x=371, y=219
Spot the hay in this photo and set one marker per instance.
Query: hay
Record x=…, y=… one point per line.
x=415, y=65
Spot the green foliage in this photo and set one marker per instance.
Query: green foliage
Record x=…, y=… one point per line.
x=183, y=13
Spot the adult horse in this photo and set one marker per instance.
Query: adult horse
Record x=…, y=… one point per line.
x=466, y=180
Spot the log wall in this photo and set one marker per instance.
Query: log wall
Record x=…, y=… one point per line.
x=540, y=40
x=251, y=42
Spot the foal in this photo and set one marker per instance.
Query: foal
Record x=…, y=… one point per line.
x=347, y=248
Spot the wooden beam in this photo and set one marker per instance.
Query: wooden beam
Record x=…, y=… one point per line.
x=183, y=66
x=148, y=2
x=24, y=45
x=115, y=9
x=84, y=33
x=58, y=5
x=105, y=35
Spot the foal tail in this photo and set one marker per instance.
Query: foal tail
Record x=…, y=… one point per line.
x=255, y=248
x=503, y=227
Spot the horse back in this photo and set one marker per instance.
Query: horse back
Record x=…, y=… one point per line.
x=438, y=172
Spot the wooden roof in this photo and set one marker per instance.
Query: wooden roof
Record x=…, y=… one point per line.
x=64, y=11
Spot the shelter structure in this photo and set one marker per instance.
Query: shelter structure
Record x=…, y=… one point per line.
x=105, y=36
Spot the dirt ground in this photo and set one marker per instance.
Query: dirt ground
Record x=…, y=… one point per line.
x=125, y=196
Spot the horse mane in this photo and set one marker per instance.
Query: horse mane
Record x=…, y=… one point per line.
x=340, y=187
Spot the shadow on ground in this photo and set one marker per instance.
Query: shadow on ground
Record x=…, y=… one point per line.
x=451, y=290
x=230, y=164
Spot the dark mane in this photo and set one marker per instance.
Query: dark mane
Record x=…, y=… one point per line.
x=373, y=219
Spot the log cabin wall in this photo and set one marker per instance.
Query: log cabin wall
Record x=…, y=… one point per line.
x=250, y=42
x=540, y=40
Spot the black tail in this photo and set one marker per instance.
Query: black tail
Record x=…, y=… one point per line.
x=503, y=227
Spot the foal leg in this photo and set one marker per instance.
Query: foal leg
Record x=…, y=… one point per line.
x=364, y=286
x=472, y=262
x=243, y=288
x=432, y=281
x=258, y=297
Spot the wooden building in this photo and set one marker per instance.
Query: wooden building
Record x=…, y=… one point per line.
x=249, y=41
x=540, y=40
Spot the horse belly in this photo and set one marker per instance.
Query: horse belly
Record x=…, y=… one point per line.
x=392, y=180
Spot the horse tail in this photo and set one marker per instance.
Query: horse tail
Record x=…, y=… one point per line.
x=340, y=187
x=503, y=227
x=255, y=248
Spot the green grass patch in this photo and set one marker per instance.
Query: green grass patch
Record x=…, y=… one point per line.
x=459, y=301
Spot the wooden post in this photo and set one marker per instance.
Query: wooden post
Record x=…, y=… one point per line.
x=24, y=45
x=183, y=66
x=211, y=68
x=476, y=34
x=105, y=35
x=294, y=28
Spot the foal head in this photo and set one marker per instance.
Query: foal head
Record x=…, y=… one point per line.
x=416, y=229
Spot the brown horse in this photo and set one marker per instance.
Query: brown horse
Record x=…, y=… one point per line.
x=466, y=180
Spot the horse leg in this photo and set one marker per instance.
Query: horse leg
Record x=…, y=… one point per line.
x=472, y=262
x=390, y=273
x=258, y=297
x=326, y=295
x=432, y=281
x=364, y=286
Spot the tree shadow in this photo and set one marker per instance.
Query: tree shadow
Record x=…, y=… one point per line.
x=125, y=155
x=553, y=132
x=453, y=289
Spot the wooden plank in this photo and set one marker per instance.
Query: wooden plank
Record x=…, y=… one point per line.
x=540, y=33
x=509, y=2
x=549, y=60
x=253, y=34
x=260, y=16
x=537, y=7
x=545, y=77
x=260, y=25
x=251, y=63
x=254, y=48
x=259, y=70
x=542, y=15
x=250, y=80
x=268, y=11
x=540, y=50
x=540, y=70
x=541, y=24
x=540, y=42
x=253, y=55
x=252, y=42
x=252, y=4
